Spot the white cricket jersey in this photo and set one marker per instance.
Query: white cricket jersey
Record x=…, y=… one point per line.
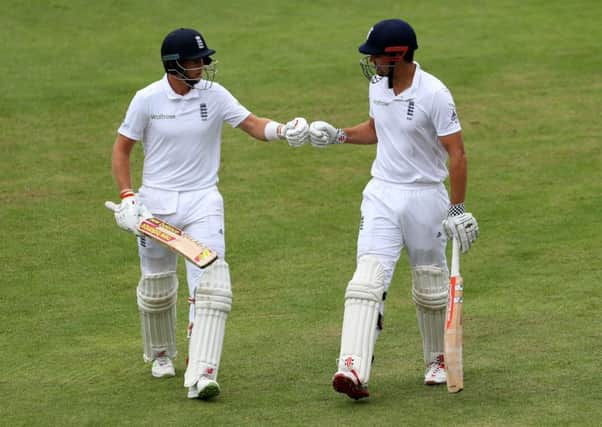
x=408, y=126
x=181, y=135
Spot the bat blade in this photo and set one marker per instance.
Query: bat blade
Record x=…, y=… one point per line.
x=454, y=341
x=175, y=239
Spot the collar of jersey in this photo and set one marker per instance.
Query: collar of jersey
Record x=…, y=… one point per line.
x=173, y=95
x=409, y=93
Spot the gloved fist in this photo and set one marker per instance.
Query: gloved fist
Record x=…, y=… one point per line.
x=463, y=227
x=129, y=212
x=296, y=132
x=322, y=134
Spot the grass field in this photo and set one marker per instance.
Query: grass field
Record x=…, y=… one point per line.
x=526, y=77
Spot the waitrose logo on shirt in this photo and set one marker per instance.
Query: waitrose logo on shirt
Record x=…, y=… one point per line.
x=162, y=116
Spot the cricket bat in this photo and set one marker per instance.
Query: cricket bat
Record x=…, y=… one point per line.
x=178, y=241
x=453, y=325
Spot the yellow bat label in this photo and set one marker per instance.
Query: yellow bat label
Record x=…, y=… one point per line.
x=156, y=232
x=169, y=227
x=206, y=253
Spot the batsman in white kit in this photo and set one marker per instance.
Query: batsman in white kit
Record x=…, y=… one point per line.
x=179, y=120
x=414, y=123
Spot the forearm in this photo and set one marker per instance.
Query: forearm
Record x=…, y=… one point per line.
x=364, y=133
x=459, y=225
x=454, y=145
x=121, y=172
x=457, y=178
x=120, y=162
x=261, y=128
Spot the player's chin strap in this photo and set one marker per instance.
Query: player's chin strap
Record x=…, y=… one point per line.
x=209, y=72
x=397, y=53
x=192, y=83
x=390, y=75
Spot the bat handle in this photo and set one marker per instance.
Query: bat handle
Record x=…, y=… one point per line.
x=455, y=261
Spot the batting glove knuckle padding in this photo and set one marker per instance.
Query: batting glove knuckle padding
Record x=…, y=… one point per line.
x=297, y=132
x=461, y=225
x=322, y=134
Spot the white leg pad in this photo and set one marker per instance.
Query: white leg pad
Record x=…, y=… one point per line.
x=429, y=292
x=157, y=296
x=213, y=301
x=362, y=300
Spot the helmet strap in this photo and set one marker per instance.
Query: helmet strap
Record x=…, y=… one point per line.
x=181, y=76
x=397, y=52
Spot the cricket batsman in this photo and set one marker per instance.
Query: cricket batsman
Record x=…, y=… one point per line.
x=413, y=121
x=178, y=120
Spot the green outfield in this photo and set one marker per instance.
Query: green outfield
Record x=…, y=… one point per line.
x=527, y=80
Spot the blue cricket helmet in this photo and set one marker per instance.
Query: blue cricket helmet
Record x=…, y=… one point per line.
x=184, y=44
x=390, y=36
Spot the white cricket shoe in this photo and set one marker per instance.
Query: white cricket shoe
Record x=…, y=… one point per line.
x=435, y=371
x=348, y=383
x=205, y=389
x=163, y=367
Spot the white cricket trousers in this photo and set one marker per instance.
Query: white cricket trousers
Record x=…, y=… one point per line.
x=199, y=213
x=398, y=216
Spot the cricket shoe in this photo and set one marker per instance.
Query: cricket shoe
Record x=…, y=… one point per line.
x=348, y=383
x=435, y=371
x=163, y=367
x=205, y=389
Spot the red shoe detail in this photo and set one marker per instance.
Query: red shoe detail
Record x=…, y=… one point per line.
x=436, y=371
x=343, y=384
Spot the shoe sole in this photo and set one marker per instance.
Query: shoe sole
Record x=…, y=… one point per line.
x=345, y=385
x=166, y=375
x=433, y=382
x=208, y=392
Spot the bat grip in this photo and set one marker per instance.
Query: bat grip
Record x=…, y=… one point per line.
x=455, y=261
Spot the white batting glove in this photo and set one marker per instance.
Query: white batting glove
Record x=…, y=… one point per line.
x=461, y=225
x=296, y=132
x=322, y=134
x=129, y=212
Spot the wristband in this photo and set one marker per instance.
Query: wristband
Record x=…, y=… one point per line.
x=455, y=210
x=126, y=192
x=273, y=131
x=340, y=137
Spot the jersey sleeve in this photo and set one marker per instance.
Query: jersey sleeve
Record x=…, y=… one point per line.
x=444, y=114
x=136, y=119
x=233, y=112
